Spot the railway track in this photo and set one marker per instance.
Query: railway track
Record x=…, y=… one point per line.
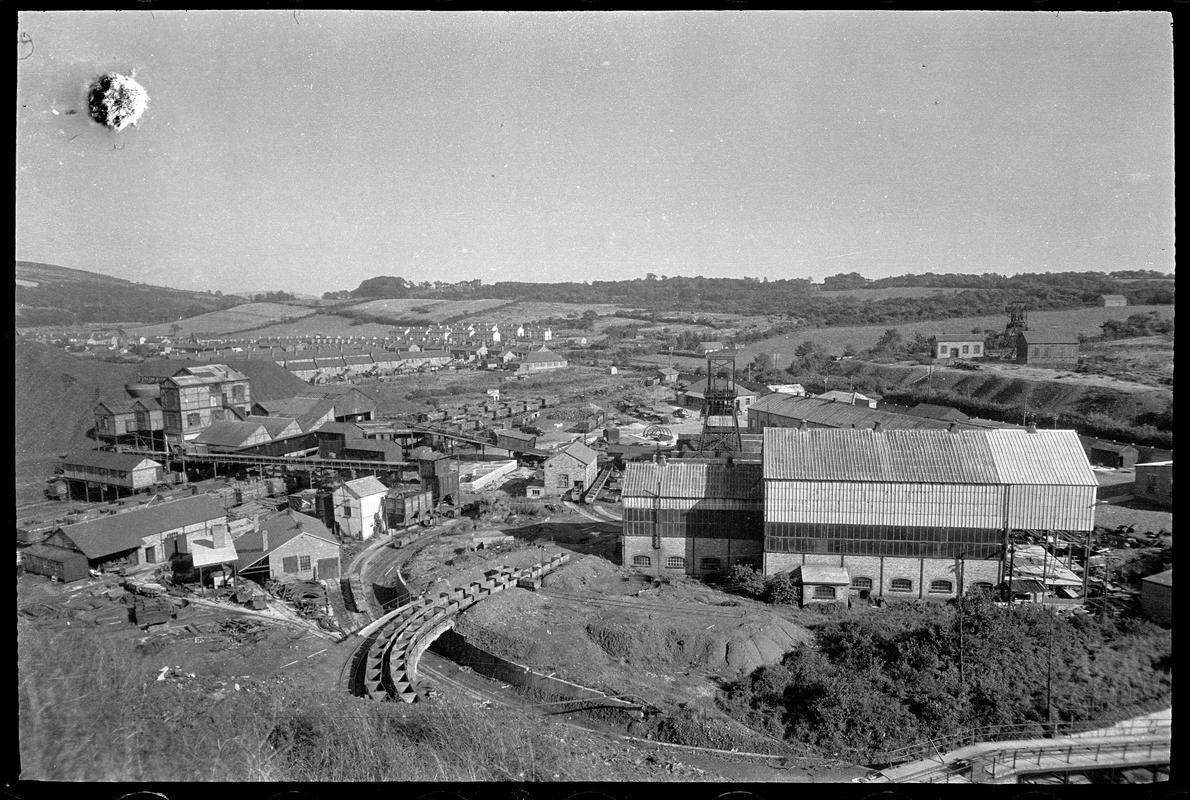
x=390, y=656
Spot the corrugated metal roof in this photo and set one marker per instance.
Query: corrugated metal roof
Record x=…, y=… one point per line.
x=230, y=433
x=119, y=532
x=866, y=455
x=104, y=459
x=1045, y=458
x=684, y=479
x=365, y=487
x=579, y=451
x=841, y=415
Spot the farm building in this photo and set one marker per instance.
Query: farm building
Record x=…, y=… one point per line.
x=957, y=345
x=920, y=514
x=123, y=472
x=571, y=467
x=683, y=516
x=667, y=375
x=1110, y=454
x=357, y=507
x=1054, y=350
x=1156, y=596
x=290, y=545
x=143, y=535
x=1154, y=483
x=540, y=361
x=1113, y=300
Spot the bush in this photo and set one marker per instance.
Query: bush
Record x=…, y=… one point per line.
x=746, y=580
x=782, y=591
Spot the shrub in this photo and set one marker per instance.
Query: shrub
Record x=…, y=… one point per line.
x=782, y=591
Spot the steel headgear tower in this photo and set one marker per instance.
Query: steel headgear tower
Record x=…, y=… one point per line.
x=720, y=427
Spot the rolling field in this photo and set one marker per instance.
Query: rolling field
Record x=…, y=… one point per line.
x=1075, y=320
x=242, y=317
x=328, y=324
x=429, y=310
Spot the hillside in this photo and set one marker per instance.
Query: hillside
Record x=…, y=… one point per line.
x=47, y=294
x=55, y=395
x=245, y=317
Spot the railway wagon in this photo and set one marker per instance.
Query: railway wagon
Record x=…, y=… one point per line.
x=408, y=506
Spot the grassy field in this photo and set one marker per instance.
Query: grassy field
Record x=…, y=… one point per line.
x=326, y=324
x=1075, y=320
x=431, y=311
x=242, y=317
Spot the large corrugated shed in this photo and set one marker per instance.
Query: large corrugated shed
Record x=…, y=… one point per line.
x=832, y=414
x=686, y=479
x=103, y=459
x=899, y=456
x=119, y=532
x=1047, y=458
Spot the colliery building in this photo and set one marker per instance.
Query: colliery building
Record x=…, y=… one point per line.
x=686, y=516
x=905, y=513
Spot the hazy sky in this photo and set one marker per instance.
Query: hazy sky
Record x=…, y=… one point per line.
x=309, y=152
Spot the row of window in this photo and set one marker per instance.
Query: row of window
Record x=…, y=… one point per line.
x=896, y=533
x=973, y=349
x=892, y=549
x=744, y=529
x=708, y=564
x=695, y=516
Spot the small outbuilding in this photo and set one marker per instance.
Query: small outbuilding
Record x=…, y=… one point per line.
x=822, y=584
x=1154, y=483
x=1111, y=454
x=1043, y=349
x=1156, y=596
x=55, y=562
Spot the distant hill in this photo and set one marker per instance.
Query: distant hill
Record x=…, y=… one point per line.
x=47, y=294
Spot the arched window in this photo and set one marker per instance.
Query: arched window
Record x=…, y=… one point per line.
x=824, y=592
x=901, y=585
x=675, y=562
x=861, y=583
x=711, y=565
x=641, y=561
x=941, y=586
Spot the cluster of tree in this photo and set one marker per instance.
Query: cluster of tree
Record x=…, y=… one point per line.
x=777, y=589
x=272, y=297
x=877, y=682
x=1146, y=324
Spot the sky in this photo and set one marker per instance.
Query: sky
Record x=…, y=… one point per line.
x=310, y=150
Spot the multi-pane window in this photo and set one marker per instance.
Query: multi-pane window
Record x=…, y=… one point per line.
x=861, y=583
x=901, y=585
x=641, y=561
x=675, y=562
x=711, y=565
x=941, y=586
x=966, y=349
x=303, y=563
x=824, y=593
